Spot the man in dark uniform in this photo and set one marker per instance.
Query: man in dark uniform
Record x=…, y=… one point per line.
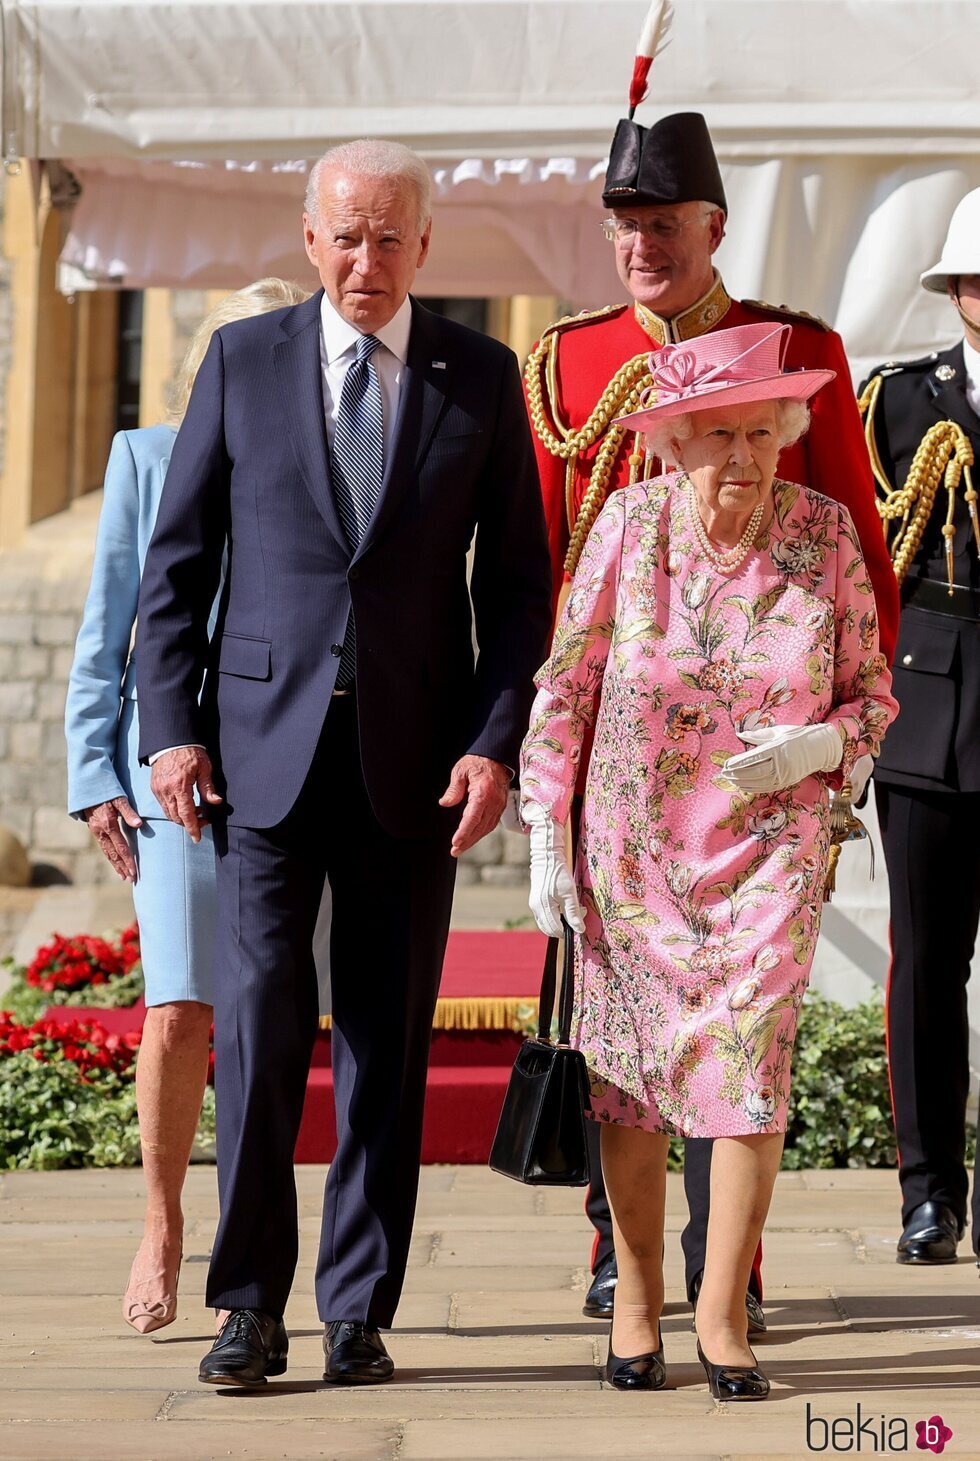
x=923, y=430
x=664, y=190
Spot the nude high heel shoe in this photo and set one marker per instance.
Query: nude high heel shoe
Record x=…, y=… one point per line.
x=146, y=1315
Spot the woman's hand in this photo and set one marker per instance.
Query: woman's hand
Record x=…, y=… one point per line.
x=784, y=755
x=103, y=823
x=553, y=895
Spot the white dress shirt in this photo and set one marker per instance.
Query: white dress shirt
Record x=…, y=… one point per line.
x=971, y=362
x=338, y=339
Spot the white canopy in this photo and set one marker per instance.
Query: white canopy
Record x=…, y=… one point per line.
x=847, y=131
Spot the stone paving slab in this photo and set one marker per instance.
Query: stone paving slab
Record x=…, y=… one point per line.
x=291, y=1440
x=495, y=1360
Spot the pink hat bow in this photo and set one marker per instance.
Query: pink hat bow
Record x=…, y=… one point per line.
x=723, y=367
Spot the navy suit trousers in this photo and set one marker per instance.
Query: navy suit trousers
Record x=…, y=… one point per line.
x=933, y=858
x=391, y=906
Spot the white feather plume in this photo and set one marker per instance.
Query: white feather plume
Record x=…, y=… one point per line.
x=656, y=29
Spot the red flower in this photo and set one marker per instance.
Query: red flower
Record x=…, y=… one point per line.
x=74, y=963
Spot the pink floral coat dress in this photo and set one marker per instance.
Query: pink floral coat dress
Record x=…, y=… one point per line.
x=702, y=905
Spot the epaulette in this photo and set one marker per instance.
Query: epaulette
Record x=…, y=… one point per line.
x=570, y=322
x=895, y=367
x=784, y=309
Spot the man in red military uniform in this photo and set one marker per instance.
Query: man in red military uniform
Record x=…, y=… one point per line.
x=668, y=212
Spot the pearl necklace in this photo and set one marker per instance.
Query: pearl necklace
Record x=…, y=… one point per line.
x=731, y=558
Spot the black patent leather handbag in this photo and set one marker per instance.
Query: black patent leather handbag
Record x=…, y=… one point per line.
x=541, y=1132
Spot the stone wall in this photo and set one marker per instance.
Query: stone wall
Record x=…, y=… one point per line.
x=39, y=616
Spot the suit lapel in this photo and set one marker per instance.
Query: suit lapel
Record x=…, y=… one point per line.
x=420, y=403
x=949, y=398
x=299, y=376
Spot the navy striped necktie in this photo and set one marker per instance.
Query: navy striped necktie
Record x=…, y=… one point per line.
x=357, y=466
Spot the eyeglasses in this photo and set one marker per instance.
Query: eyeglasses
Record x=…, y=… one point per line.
x=623, y=231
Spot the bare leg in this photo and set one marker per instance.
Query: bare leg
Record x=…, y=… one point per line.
x=634, y=1165
x=743, y=1172
x=170, y=1076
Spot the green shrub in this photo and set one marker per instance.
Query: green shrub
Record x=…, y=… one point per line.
x=50, y=1118
x=840, y=1108
x=27, y=1003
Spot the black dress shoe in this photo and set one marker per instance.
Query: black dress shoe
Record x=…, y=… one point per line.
x=753, y=1308
x=251, y=1346
x=642, y=1372
x=355, y=1354
x=931, y=1235
x=734, y=1382
x=599, y=1300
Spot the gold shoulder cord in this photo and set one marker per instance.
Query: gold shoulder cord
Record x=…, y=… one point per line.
x=620, y=396
x=945, y=452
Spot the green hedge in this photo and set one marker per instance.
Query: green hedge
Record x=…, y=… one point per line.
x=27, y=1003
x=839, y=1110
x=49, y=1118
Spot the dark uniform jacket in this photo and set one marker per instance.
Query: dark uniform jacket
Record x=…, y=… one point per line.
x=935, y=742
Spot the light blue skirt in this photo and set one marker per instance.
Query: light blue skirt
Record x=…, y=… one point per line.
x=176, y=909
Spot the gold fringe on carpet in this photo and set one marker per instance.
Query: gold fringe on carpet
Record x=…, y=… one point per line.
x=477, y=1013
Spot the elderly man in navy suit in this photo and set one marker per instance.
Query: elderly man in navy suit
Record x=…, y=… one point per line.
x=342, y=453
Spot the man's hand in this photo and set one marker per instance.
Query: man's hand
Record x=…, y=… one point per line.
x=173, y=779
x=103, y=823
x=483, y=784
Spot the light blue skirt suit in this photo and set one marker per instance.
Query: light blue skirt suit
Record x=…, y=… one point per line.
x=174, y=893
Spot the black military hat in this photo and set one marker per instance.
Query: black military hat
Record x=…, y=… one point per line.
x=671, y=162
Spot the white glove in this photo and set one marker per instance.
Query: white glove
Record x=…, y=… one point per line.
x=510, y=818
x=860, y=776
x=552, y=885
x=785, y=756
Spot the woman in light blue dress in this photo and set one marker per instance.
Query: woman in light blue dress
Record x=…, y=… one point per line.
x=173, y=877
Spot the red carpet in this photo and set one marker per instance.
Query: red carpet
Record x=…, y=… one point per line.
x=490, y=980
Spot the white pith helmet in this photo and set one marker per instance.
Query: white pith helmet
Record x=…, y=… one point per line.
x=961, y=251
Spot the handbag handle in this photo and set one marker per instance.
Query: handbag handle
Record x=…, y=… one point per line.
x=546, y=1004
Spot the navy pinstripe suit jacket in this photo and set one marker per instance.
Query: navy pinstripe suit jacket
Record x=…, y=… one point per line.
x=250, y=467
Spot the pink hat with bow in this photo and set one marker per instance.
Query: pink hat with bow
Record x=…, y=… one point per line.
x=723, y=368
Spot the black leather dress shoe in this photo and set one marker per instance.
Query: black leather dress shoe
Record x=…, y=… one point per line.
x=642, y=1372
x=599, y=1300
x=251, y=1346
x=753, y=1308
x=355, y=1354
x=931, y=1235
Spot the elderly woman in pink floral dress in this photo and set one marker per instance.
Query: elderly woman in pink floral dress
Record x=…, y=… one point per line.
x=714, y=609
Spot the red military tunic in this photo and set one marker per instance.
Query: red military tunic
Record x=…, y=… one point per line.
x=587, y=370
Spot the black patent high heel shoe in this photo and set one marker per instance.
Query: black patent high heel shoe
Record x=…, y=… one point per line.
x=734, y=1382
x=642, y=1372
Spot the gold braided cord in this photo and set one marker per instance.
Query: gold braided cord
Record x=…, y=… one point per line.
x=867, y=404
x=609, y=405
x=620, y=396
x=943, y=455
x=598, y=489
